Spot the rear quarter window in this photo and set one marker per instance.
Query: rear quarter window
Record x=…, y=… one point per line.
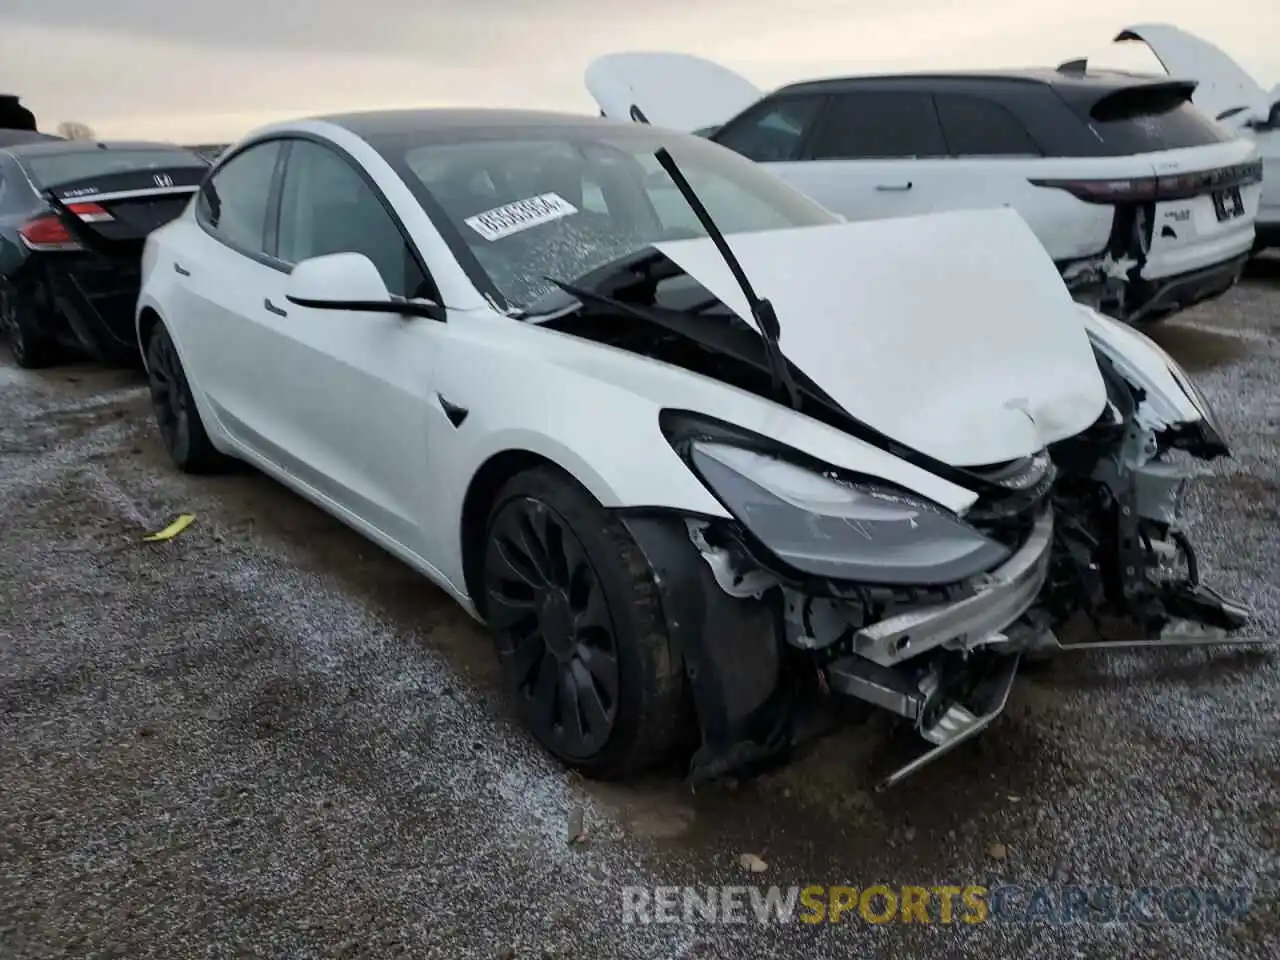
x=978, y=127
x=1143, y=121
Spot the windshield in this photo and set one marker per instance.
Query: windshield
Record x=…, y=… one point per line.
x=528, y=207
x=53, y=169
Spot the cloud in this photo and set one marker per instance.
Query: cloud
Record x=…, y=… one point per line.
x=211, y=71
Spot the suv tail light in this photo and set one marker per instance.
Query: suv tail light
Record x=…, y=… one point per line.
x=1178, y=186
x=1107, y=191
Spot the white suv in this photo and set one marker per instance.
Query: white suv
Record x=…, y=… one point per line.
x=1146, y=204
x=1226, y=92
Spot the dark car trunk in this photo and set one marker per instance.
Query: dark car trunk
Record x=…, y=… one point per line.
x=109, y=217
x=113, y=214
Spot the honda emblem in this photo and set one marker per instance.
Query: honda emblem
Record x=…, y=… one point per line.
x=163, y=180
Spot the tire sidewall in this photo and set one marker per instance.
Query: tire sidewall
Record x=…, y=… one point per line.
x=646, y=660
x=179, y=448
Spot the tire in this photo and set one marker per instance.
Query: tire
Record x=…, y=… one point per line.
x=571, y=601
x=181, y=429
x=32, y=348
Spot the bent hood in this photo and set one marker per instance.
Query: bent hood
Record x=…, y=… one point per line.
x=674, y=90
x=1222, y=84
x=952, y=333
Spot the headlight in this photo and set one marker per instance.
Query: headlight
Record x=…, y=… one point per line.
x=830, y=528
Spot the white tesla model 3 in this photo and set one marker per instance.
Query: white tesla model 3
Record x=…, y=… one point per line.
x=685, y=480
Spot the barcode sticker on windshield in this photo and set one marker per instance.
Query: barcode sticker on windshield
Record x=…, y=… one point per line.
x=513, y=217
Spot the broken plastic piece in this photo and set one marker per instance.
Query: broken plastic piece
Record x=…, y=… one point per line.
x=172, y=530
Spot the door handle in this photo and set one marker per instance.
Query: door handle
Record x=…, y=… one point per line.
x=180, y=270
x=895, y=187
x=272, y=308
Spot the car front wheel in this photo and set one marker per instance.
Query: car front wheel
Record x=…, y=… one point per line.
x=579, y=627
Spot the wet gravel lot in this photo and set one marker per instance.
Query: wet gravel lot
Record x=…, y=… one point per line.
x=267, y=738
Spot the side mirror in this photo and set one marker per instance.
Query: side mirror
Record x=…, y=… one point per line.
x=350, y=281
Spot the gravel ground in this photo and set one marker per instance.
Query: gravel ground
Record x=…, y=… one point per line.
x=267, y=738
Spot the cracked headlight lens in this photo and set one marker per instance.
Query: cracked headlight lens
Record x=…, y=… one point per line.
x=827, y=527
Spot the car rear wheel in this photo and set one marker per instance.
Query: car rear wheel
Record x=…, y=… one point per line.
x=32, y=348
x=181, y=429
x=579, y=627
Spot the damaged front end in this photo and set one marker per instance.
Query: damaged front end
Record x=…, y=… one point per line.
x=838, y=589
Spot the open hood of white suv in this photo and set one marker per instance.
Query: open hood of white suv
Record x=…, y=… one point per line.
x=976, y=357
x=1223, y=85
x=674, y=90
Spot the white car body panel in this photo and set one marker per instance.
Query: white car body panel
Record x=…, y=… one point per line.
x=685, y=92
x=1222, y=85
x=345, y=408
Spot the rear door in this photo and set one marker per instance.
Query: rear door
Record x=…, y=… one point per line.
x=350, y=395
x=227, y=284
x=869, y=154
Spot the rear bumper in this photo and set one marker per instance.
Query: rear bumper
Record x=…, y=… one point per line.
x=1153, y=299
x=96, y=296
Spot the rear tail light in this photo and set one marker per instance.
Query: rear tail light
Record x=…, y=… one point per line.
x=50, y=233
x=90, y=212
x=47, y=233
x=1107, y=191
x=1178, y=186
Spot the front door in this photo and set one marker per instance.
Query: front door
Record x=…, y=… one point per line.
x=356, y=387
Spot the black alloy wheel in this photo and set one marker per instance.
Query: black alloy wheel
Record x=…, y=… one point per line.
x=547, y=606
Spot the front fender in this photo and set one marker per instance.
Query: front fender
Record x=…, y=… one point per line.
x=1169, y=398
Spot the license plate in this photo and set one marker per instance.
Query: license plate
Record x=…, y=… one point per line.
x=1227, y=204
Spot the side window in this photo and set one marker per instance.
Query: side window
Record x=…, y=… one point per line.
x=976, y=127
x=327, y=207
x=867, y=125
x=237, y=211
x=773, y=131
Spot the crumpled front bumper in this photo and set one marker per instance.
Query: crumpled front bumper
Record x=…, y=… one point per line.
x=943, y=668
x=973, y=621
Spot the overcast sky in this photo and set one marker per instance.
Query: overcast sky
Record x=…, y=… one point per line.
x=200, y=70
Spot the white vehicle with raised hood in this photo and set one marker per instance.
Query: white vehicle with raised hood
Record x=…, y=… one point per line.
x=1145, y=205
x=1226, y=92
x=698, y=452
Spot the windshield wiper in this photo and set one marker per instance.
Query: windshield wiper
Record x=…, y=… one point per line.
x=762, y=312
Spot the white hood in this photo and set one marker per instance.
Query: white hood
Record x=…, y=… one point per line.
x=952, y=333
x=674, y=90
x=1222, y=83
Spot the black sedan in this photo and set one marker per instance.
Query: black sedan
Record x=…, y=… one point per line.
x=74, y=216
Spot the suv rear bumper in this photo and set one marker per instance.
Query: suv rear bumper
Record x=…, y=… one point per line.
x=1152, y=299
